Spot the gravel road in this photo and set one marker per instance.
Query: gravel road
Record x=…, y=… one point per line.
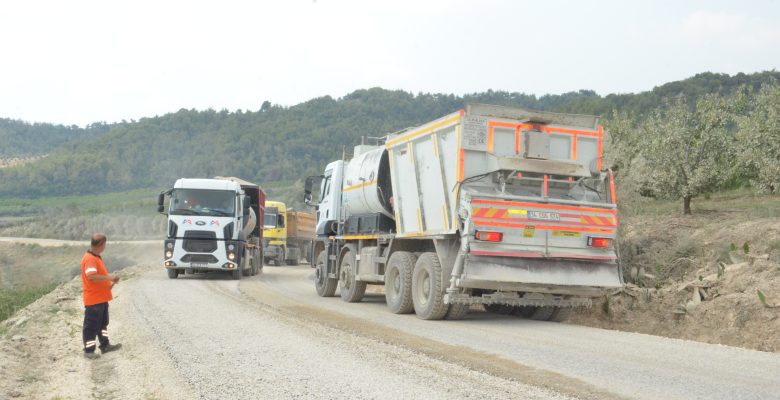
x=271, y=336
x=569, y=358
x=223, y=343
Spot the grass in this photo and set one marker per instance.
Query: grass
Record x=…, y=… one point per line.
x=134, y=202
x=13, y=300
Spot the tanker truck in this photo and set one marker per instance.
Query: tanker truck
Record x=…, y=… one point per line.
x=212, y=226
x=504, y=207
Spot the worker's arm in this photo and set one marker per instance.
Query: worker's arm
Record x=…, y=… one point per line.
x=98, y=278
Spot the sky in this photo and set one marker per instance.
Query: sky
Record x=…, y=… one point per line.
x=79, y=62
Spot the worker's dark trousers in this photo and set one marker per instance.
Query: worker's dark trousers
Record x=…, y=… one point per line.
x=95, y=324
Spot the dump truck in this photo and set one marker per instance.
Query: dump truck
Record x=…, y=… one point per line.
x=288, y=234
x=212, y=226
x=504, y=207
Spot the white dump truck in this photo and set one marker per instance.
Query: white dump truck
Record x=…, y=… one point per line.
x=212, y=226
x=499, y=206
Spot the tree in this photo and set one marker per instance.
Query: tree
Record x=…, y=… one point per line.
x=759, y=137
x=686, y=150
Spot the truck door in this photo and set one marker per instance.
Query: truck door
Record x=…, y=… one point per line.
x=329, y=211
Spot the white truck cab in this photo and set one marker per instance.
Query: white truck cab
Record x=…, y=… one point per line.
x=212, y=226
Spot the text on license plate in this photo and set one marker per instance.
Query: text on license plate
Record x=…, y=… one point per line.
x=197, y=265
x=544, y=215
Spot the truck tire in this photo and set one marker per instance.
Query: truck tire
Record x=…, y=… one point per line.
x=325, y=286
x=293, y=262
x=428, y=288
x=280, y=257
x=458, y=311
x=257, y=266
x=561, y=314
x=236, y=274
x=524, y=311
x=502, y=309
x=543, y=313
x=398, y=282
x=245, y=262
x=351, y=290
x=173, y=273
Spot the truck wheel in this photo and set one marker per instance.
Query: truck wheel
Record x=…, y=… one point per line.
x=236, y=274
x=326, y=287
x=502, y=309
x=245, y=260
x=398, y=282
x=524, y=311
x=543, y=313
x=457, y=311
x=351, y=290
x=280, y=257
x=428, y=288
x=173, y=273
x=292, y=262
x=254, y=269
x=561, y=314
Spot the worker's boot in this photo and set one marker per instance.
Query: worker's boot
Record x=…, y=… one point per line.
x=91, y=356
x=110, y=347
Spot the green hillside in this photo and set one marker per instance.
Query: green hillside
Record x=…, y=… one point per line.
x=278, y=143
x=23, y=139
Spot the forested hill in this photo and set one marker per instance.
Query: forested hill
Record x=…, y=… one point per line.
x=23, y=139
x=278, y=143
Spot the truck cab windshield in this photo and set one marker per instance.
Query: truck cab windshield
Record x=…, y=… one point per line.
x=270, y=219
x=219, y=203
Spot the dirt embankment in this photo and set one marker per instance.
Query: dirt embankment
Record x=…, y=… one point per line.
x=712, y=277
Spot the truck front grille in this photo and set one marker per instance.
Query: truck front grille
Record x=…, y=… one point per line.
x=200, y=241
x=199, y=258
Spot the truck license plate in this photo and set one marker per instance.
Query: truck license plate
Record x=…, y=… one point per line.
x=544, y=216
x=197, y=265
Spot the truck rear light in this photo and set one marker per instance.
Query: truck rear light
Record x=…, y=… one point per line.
x=489, y=236
x=599, y=242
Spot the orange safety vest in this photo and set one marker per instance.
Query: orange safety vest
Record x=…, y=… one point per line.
x=95, y=292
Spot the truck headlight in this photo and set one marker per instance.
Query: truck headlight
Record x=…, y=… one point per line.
x=231, y=256
x=169, y=245
x=231, y=247
x=168, y=253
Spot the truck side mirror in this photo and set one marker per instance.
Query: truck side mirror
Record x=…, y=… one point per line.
x=307, y=186
x=160, y=201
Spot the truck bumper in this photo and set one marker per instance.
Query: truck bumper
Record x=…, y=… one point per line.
x=552, y=276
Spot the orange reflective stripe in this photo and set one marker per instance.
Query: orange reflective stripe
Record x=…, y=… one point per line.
x=535, y=205
x=601, y=142
x=612, y=187
x=490, y=139
x=544, y=227
x=461, y=172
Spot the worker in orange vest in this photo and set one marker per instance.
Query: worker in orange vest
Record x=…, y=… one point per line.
x=97, y=284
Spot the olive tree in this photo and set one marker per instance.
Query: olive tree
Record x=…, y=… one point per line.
x=759, y=138
x=686, y=149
